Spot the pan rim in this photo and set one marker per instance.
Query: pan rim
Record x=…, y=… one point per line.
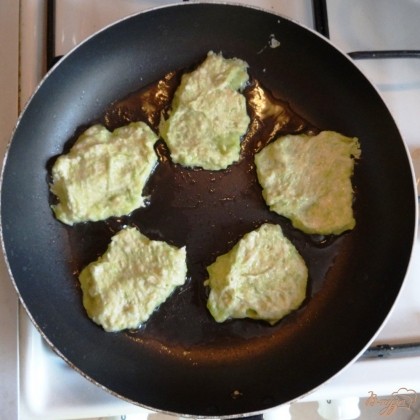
x=39, y=87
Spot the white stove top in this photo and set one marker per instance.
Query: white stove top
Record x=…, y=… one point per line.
x=48, y=387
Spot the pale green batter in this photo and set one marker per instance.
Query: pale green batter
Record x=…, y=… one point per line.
x=131, y=279
x=262, y=277
x=104, y=173
x=208, y=116
x=308, y=180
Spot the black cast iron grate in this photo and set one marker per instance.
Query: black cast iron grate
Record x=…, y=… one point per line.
x=320, y=16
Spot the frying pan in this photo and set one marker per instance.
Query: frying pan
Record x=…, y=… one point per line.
x=181, y=361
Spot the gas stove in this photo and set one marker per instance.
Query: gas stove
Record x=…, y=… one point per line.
x=382, y=41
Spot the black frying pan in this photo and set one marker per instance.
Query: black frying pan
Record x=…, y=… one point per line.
x=181, y=361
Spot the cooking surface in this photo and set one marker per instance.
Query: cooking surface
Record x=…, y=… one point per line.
x=400, y=87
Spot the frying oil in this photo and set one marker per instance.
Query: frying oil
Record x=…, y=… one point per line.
x=208, y=211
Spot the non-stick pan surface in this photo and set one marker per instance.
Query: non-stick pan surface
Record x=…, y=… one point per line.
x=181, y=361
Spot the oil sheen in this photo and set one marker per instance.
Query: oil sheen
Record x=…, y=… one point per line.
x=207, y=211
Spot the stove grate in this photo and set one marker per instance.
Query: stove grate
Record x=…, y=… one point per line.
x=320, y=16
